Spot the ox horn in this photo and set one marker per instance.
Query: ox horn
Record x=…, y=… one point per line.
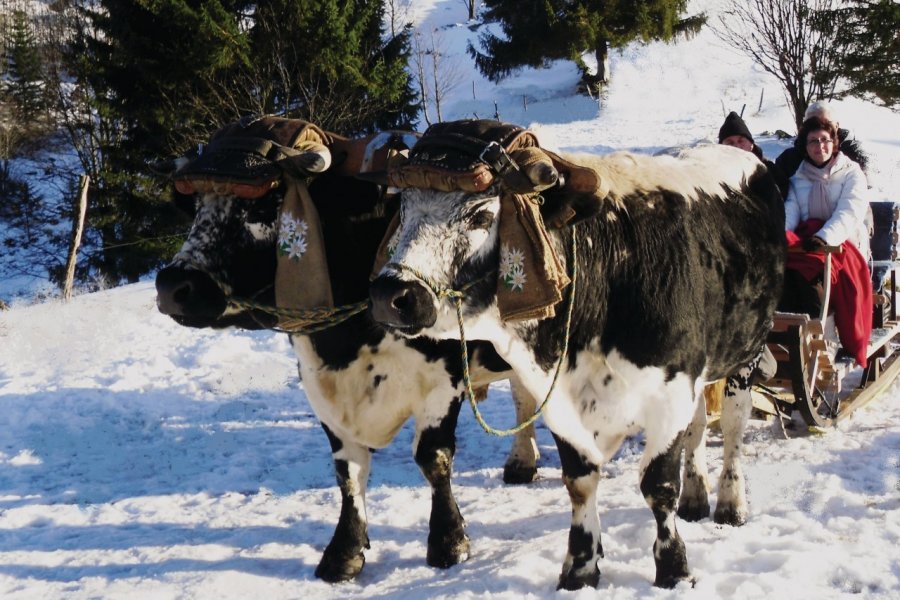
x=311, y=157
x=169, y=166
x=536, y=171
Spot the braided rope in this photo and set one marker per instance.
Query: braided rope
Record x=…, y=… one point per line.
x=457, y=297
x=303, y=320
x=296, y=320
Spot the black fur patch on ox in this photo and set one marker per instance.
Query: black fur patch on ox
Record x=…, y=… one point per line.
x=669, y=281
x=447, y=540
x=661, y=486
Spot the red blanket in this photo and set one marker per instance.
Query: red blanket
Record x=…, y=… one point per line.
x=851, y=287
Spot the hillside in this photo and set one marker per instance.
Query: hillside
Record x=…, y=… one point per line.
x=141, y=459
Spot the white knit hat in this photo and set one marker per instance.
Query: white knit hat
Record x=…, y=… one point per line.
x=823, y=110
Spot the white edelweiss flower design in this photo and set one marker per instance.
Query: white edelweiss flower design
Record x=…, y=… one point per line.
x=516, y=280
x=392, y=245
x=512, y=267
x=292, y=237
x=287, y=225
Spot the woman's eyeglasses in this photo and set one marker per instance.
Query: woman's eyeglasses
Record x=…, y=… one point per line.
x=820, y=142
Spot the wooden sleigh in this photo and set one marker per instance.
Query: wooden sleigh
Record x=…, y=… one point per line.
x=814, y=377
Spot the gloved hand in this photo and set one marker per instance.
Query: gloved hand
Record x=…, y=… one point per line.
x=812, y=244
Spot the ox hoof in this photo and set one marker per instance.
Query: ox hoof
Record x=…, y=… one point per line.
x=730, y=516
x=572, y=581
x=670, y=582
x=448, y=552
x=334, y=568
x=692, y=512
x=516, y=473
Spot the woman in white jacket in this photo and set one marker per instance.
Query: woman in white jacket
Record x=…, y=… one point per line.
x=828, y=186
x=831, y=189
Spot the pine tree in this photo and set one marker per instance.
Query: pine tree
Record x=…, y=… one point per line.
x=536, y=32
x=122, y=110
x=25, y=71
x=328, y=62
x=155, y=78
x=871, y=31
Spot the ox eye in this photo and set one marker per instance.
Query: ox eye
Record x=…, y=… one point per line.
x=261, y=211
x=482, y=220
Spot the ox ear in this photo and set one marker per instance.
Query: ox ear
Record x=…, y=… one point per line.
x=312, y=157
x=579, y=195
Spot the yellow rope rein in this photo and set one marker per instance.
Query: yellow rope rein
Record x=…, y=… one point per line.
x=303, y=320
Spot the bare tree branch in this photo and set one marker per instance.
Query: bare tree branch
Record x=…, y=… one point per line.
x=780, y=36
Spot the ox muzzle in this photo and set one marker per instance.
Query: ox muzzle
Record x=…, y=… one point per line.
x=193, y=299
x=403, y=306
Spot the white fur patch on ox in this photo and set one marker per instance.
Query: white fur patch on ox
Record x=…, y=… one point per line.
x=605, y=398
x=435, y=228
x=371, y=399
x=261, y=232
x=714, y=168
x=212, y=212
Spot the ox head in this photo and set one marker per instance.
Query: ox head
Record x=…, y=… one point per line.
x=452, y=239
x=234, y=189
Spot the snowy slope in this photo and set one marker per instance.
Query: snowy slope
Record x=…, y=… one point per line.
x=142, y=459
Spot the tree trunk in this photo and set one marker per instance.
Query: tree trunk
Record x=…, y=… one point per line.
x=594, y=82
x=601, y=52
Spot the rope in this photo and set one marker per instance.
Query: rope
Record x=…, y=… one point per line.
x=457, y=297
x=297, y=320
x=305, y=321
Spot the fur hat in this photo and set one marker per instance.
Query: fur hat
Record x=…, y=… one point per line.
x=734, y=125
x=823, y=110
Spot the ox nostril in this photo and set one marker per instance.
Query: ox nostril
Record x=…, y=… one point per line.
x=182, y=294
x=188, y=293
x=402, y=302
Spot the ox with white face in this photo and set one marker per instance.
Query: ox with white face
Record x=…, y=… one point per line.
x=454, y=234
x=680, y=266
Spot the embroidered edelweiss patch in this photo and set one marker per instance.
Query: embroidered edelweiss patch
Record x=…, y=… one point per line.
x=512, y=267
x=292, y=237
x=392, y=245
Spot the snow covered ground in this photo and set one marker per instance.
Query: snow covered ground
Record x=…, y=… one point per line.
x=142, y=459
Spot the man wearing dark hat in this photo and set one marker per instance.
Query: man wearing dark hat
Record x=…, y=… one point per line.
x=734, y=132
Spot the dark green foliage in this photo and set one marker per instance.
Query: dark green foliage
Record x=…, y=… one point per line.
x=24, y=68
x=129, y=228
x=31, y=238
x=149, y=61
x=158, y=77
x=871, y=32
x=536, y=32
x=327, y=62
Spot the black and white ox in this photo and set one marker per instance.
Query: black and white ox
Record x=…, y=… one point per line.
x=362, y=383
x=680, y=264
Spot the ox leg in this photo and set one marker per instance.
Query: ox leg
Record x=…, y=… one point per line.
x=343, y=559
x=581, y=477
x=435, y=447
x=521, y=464
x=694, y=502
x=660, y=483
x=732, y=508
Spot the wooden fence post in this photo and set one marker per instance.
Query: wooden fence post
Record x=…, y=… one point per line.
x=77, y=230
